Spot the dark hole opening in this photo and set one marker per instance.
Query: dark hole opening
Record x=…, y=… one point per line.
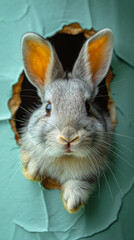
x=67, y=47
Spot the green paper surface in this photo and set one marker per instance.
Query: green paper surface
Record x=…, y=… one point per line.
x=27, y=210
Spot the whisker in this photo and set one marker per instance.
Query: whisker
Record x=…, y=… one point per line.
x=112, y=83
x=28, y=96
x=28, y=89
x=114, y=165
x=98, y=183
x=97, y=153
x=116, y=134
x=25, y=109
x=18, y=62
x=17, y=120
x=116, y=154
x=111, y=145
x=108, y=185
x=13, y=176
x=115, y=180
x=116, y=142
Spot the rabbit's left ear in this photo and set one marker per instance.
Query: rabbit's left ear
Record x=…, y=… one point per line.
x=41, y=63
x=95, y=57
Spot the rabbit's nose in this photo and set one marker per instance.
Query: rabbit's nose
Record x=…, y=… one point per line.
x=65, y=140
x=68, y=135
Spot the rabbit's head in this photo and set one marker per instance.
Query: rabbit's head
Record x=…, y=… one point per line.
x=68, y=121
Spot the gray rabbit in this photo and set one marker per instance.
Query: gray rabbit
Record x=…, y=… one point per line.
x=66, y=137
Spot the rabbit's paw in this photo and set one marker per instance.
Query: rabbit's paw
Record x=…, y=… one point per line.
x=31, y=177
x=31, y=173
x=74, y=195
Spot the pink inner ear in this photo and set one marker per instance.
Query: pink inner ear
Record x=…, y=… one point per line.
x=97, y=54
x=37, y=59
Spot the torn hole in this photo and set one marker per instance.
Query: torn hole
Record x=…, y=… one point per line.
x=25, y=97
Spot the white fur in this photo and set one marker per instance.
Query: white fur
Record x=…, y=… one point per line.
x=75, y=193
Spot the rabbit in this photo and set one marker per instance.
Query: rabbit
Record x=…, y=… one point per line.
x=65, y=138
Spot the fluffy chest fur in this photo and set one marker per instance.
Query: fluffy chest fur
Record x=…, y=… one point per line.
x=70, y=167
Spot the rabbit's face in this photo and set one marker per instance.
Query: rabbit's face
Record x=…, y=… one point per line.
x=67, y=123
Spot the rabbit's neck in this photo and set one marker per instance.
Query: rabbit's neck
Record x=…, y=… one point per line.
x=71, y=167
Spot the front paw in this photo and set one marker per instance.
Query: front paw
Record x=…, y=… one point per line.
x=31, y=177
x=30, y=169
x=74, y=195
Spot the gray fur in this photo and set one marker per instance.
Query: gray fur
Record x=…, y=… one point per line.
x=69, y=119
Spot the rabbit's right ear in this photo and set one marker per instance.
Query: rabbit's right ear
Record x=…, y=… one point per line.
x=41, y=63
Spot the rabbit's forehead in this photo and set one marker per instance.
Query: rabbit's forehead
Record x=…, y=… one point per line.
x=69, y=90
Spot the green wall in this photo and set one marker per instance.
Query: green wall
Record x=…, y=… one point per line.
x=27, y=211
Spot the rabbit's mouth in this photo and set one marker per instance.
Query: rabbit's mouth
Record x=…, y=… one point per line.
x=68, y=150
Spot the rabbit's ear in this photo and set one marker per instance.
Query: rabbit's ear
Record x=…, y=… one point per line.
x=41, y=63
x=94, y=59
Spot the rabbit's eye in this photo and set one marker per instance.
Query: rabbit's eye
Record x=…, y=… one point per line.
x=87, y=105
x=48, y=108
